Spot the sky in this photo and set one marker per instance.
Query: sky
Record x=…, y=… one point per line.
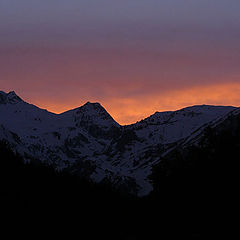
x=135, y=57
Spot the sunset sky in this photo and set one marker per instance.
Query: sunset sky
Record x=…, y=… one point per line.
x=135, y=57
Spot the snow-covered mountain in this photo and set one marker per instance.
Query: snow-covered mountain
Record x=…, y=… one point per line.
x=88, y=142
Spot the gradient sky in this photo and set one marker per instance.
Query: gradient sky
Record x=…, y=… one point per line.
x=135, y=57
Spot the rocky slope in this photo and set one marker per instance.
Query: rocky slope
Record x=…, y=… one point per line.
x=88, y=142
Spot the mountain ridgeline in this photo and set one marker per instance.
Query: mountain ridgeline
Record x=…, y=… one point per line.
x=82, y=163
x=88, y=143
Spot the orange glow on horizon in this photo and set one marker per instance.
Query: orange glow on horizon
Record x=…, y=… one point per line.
x=131, y=110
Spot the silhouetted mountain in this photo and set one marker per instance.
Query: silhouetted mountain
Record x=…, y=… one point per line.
x=50, y=165
x=9, y=98
x=88, y=142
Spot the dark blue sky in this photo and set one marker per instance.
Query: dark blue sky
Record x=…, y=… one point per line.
x=32, y=20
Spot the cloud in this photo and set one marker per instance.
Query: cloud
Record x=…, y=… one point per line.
x=135, y=57
x=127, y=110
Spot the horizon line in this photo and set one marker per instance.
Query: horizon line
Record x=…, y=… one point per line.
x=89, y=102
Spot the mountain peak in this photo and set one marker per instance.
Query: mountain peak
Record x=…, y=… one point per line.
x=12, y=93
x=92, y=105
x=90, y=108
x=9, y=98
x=94, y=113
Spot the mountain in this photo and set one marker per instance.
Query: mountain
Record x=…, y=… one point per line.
x=88, y=142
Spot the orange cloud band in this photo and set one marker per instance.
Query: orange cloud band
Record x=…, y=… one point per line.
x=129, y=110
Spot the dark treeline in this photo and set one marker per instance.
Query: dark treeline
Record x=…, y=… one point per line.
x=184, y=203
x=39, y=199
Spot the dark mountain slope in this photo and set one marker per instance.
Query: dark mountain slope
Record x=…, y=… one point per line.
x=190, y=181
x=37, y=198
x=201, y=179
x=190, y=186
x=87, y=142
